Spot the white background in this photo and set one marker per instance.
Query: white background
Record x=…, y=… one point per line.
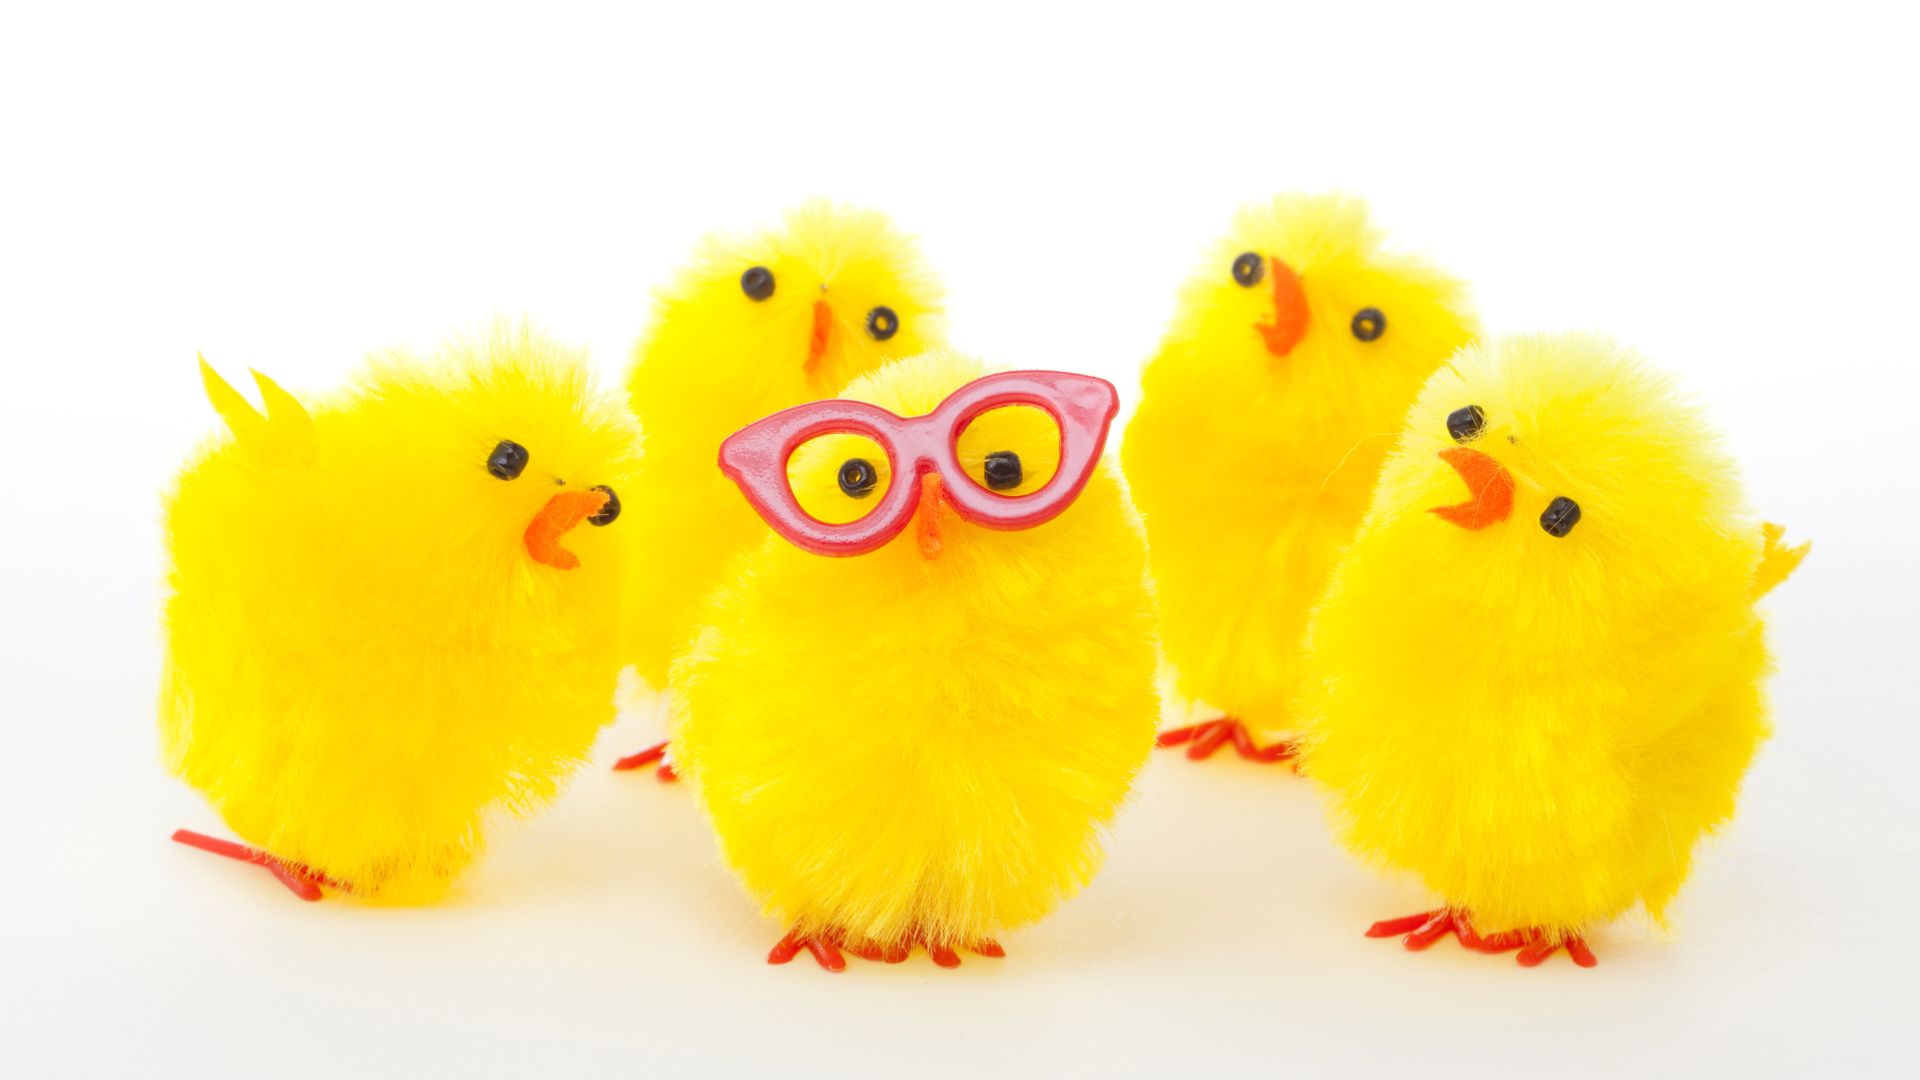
x=1733, y=191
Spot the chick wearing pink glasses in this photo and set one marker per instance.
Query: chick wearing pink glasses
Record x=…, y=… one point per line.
x=915, y=708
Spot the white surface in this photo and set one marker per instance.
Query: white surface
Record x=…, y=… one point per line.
x=1734, y=193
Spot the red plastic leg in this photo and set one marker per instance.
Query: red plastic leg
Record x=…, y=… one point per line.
x=298, y=880
x=651, y=754
x=991, y=948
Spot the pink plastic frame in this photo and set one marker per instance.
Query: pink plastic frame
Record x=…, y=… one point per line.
x=755, y=457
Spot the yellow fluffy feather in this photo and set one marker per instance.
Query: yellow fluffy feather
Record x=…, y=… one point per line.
x=364, y=655
x=717, y=359
x=1542, y=726
x=1262, y=424
x=897, y=749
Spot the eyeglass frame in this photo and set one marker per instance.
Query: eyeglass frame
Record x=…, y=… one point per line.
x=755, y=458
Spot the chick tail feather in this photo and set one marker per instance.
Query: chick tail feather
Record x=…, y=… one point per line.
x=1777, y=561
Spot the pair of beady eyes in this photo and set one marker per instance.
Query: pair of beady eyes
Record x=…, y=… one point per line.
x=1465, y=425
x=882, y=321
x=509, y=459
x=1000, y=471
x=840, y=478
x=1367, y=324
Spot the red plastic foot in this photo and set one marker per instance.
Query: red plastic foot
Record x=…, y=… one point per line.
x=827, y=947
x=1428, y=927
x=1201, y=740
x=651, y=754
x=298, y=880
x=825, y=952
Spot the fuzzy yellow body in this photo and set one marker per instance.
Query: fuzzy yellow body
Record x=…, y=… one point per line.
x=895, y=748
x=1542, y=727
x=1252, y=467
x=363, y=661
x=716, y=359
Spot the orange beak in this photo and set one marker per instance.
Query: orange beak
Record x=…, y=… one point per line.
x=1289, y=323
x=822, y=326
x=555, y=520
x=1490, y=483
x=934, y=508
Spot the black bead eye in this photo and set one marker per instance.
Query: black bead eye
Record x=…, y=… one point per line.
x=882, y=323
x=1466, y=424
x=857, y=477
x=1369, y=323
x=1561, y=515
x=608, y=512
x=1003, y=470
x=1249, y=268
x=508, y=460
x=757, y=283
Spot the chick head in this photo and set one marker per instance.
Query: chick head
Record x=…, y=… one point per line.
x=450, y=486
x=1301, y=321
x=1563, y=468
x=506, y=448
x=799, y=311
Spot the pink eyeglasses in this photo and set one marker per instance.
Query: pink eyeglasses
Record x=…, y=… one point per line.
x=918, y=449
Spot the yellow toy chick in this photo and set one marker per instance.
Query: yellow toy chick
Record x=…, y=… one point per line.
x=1261, y=428
x=383, y=623
x=922, y=743
x=1535, y=679
x=753, y=326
